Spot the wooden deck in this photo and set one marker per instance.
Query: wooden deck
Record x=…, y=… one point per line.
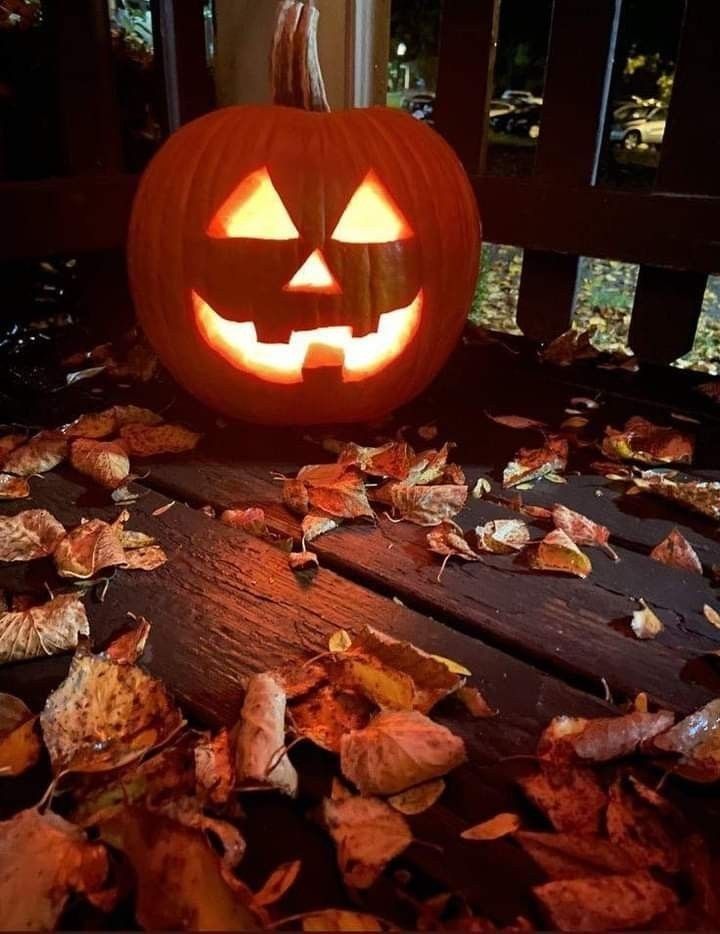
x=539, y=645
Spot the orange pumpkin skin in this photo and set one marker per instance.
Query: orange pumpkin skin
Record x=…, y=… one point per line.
x=182, y=267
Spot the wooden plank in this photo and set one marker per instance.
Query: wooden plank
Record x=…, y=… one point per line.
x=666, y=311
x=468, y=40
x=67, y=215
x=667, y=230
x=580, y=59
x=226, y=605
x=179, y=38
x=87, y=105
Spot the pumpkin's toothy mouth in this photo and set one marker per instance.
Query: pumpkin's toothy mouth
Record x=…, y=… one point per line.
x=334, y=346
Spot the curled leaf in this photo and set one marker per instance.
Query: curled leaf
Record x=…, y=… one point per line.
x=418, y=799
x=261, y=756
x=677, y=552
x=19, y=743
x=493, y=829
x=8, y=443
x=144, y=559
x=128, y=646
x=534, y=463
x=558, y=552
x=368, y=833
x=696, y=739
x=603, y=738
x=392, y=460
x=711, y=615
x=215, y=768
x=304, y=562
x=31, y=534
x=47, y=629
x=428, y=505
x=641, y=440
x=398, y=750
x=42, y=453
x=697, y=495
x=570, y=346
x=340, y=641
x=277, y=883
x=474, y=701
x=448, y=539
x=12, y=487
x=645, y=624
x=314, y=525
x=106, y=462
x=503, y=536
x=90, y=547
x=482, y=486
x=581, y=530
x=516, y=421
x=328, y=713
x=143, y=440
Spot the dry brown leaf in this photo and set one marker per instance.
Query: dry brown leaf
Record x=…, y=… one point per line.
x=47, y=629
x=637, y=826
x=392, y=460
x=90, y=547
x=314, y=525
x=144, y=559
x=581, y=530
x=386, y=687
x=215, y=768
x=697, y=740
x=140, y=364
x=516, y=421
x=711, y=615
x=31, y=534
x=428, y=505
x=43, y=860
x=188, y=811
x=134, y=415
x=12, y=487
x=645, y=624
x=558, y=552
x=20, y=745
x=304, y=562
x=604, y=903
x=42, y=453
x=327, y=713
x=448, y=539
x=277, y=883
x=105, y=715
x=251, y=520
x=340, y=641
x=397, y=750
x=260, y=755
x=336, y=490
x=430, y=466
x=570, y=346
x=106, y=462
x=570, y=796
x=697, y=495
x=368, y=833
x=641, y=440
x=127, y=647
x=531, y=464
x=474, y=701
x=337, y=919
x=604, y=738
x=482, y=486
x=8, y=443
x=574, y=855
x=612, y=470
x=493, y=829
x=182, y=883
x=94, y=425
x=677, y=552
x=143, y=440
x=503, y=536
x=418, y=799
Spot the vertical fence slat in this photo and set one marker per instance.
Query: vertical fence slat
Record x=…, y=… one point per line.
x=87, y=106
x=468, y=37
x=580, y=60
x=179, y=36
x=668, y=303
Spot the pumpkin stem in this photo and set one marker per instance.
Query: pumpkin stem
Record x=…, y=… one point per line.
x=295, y=73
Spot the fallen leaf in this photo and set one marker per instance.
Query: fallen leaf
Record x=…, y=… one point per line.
x=570, y=796
x=604, y=903
x=40, y=454
x=127, y=647
x=428, y=505
x=90, y=547
x=516, y=421
x=581, y=530
x=503, y=536
x=645, y=624
x=455, y=667
x=368, y=833
x=105, y=715
x=336, y=919
x=340, y=641
x=612, y=470
x=277, y=883
x=334, y=489
x=79, y=375
x=392, y=460
x=144, y=559
x=418, y=799
x=260, y=755
x=558, y=552
x=428, y=432
x=712, y=616
x=134, y=415
x=637, y=826
x=385, y=686
x=448, y=539
x=8, y=443
x=181, y=881
x=143, y=440
x=47, y=629
x=140, y=364
x=94, y=425
x=570, y=346
x=534, y=463
x=314, y=525
x=499, y=826
x=304, y=562
x=696, y=739
x=188, y=811
x=19, y=743
x=482, y=486
x=697, y=495
x=574, y=855
x=123, y=495
x=603, y=738
x=327, y=713
x=677, y=552
x=641, y=440
x=106, y=462
x=161, y=510
x=399, y=749
x=474, y=701
x=12, y=487
x=43, y=860
x=215, y=768
x=31, y=534
x=430, y=466
x=575, y=423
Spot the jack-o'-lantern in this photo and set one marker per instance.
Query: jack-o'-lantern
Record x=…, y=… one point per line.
x=291, y=265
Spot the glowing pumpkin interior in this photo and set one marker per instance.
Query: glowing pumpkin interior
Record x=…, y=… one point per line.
x=255, y=211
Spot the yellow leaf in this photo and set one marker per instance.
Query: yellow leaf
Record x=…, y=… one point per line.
x=418, y=799
x=340, y=641
x=335, y=919
x=499, y=826
x=455, y=667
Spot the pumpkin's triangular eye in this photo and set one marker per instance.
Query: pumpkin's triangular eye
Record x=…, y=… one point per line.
x=254, y=210
x=371, y=216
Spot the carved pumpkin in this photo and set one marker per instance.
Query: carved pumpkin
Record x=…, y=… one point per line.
x=297, y=266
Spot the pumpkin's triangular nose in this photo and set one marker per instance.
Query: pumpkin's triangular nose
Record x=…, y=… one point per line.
x=314, y=276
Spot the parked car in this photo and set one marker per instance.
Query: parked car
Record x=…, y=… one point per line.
x=520, y=97
x=420, y=104
x=523, y=120
x=500, y=107
x=647, y=130
x=627, y=112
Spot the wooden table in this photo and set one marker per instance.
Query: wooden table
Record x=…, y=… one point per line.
x=539, y=645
